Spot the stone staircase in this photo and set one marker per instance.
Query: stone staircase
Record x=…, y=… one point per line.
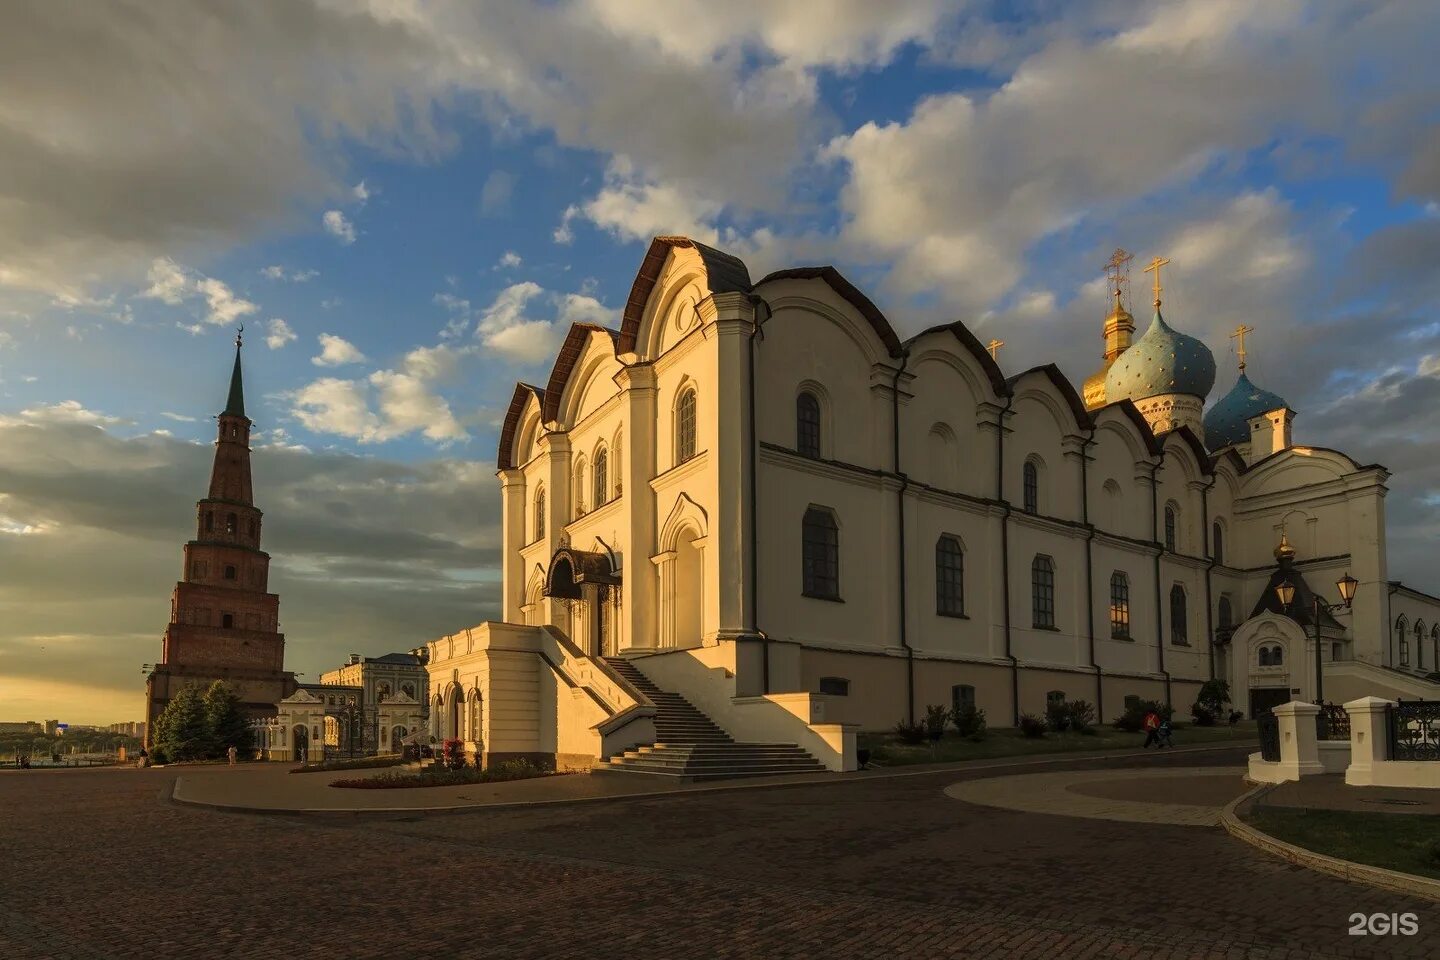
x=690, y=747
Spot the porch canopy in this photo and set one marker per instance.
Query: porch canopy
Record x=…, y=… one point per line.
x=571, y=569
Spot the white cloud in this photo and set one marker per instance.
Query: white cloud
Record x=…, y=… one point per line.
x=565, y=233
x=341, y=407
x=66, y=411
x=180, y=417
x=495, y=194
x=360, y=192
x=338, y=226
x=509, y=260
x=387, y=404
x=336, y=351
x=174, y=284
x=278, y=334
x=505, y=329
x=277, y=272
x=169, y=282
x=225, y=307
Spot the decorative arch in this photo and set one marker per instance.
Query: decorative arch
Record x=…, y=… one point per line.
x=520, y=399
x=943, y=448
x=847, y=291
x=684, y=513
x=570, y=354
x=720, y=272
x=1056, y=393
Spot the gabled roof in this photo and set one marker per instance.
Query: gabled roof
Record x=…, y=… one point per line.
x=569, y=355
x=848, y=292
x=1302, y=606
x=724, y=274
x=1063, y=385
x=1202, y=456
x=1128, y=408
x=505, y=456
x=975, y=348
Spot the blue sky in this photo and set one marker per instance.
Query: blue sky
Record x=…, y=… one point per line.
x=406, y=205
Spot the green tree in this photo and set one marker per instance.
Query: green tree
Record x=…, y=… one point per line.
x=182, y=731
x=229, y=727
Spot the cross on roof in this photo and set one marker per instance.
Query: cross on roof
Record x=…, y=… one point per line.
x=994, y=347
x=1239, y=335
x=1155, y=265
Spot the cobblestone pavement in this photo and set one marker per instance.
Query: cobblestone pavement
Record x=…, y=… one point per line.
x=1192, y=798
x=98, y=865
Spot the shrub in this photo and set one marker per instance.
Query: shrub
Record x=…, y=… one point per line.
x=1057, y=715
x=969, y=721
x=911, y=733
x=359, y=763
x=454, y=754
x=936, y=717
x=1204, y=717
x=1133, y=718
x=1031, y=725
x=509, y=770
x=1082, y=717
x=1213, y=696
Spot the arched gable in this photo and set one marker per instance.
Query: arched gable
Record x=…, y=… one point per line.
x=957, y=348
x=1186, y=452
x=685, y=513
x=974, y=350
x=1132, y=431
x=575, y=346
x=851, y=295
x=1297, y=467
x=722, y=273
x=523, y=396
x=1048, y=385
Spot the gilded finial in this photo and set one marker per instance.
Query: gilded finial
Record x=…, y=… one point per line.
x=1117, y=272
x=1239, y=335
x=1155, y=266
x=1284, y=551
x=994, y=347
x=240, y=337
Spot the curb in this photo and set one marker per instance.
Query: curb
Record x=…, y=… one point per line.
x=951, y=769
x=1390, y=880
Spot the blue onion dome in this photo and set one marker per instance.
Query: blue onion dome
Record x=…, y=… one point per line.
x=1162, y=361
x=1228, y=421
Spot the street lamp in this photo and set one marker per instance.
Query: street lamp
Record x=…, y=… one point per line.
x=1285, y=590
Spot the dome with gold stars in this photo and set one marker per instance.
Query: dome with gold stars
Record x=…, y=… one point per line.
x=1160, y=362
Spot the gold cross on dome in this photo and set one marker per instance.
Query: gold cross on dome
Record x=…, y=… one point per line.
x=994, y=347
x=1239, y=335
x=1155, y=265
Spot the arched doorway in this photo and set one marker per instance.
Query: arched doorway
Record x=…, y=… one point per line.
x=301, y=742
x=455, y=727
x=689, y=589
x=397, y=739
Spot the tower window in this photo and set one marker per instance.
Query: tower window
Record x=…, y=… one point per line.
x=229, y=571
x=807, y=425
x=232, y=523
x=227, y=620
x=209, y=521
x=254, y=529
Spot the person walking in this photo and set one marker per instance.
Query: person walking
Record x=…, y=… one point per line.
x=1162, y=736
x=1152, y=728
x=231, y=753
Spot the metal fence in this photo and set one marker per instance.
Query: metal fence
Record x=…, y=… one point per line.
x=1269, y=736
x=1415, y=730
x=1332, y=723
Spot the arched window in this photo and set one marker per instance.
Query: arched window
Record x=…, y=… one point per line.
x=1113, y=514
x=807, y=425
x=229, y=571
x=408, y=689
x=1225, y=616
x=578, y=484
x=227, y=620
x=1419, y=644
x=1031, y=479
x=601, y=476
x=209, y=521
x=685, y=427
x=1170, y=527
x=1179, y=632
x=949, y=577
x=1119, y=606
x=1401, y=642
x=1217, y=542
x=1277, y=656
x=231, y=523
x=821, y=554
x=1042, y=592
x=1435, y=644
x=540, y=514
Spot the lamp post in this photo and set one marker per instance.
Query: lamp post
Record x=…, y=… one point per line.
x=1285, y=590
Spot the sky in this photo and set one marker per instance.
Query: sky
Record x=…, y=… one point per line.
x=406, y=203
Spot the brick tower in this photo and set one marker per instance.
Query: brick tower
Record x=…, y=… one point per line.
x=223, y=622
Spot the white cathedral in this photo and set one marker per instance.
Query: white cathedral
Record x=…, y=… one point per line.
x=754, y=521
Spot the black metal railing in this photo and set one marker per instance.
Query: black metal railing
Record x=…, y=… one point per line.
x=1415, y=730
x=1269, y=736
x=1332, y=723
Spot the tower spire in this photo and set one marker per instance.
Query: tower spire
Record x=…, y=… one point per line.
x=235, y=402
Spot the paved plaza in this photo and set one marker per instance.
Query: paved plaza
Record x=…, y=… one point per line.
x=100, y=864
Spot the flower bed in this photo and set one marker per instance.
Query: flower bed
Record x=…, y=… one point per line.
x=510, y=770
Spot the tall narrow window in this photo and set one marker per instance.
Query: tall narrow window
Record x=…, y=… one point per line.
x=1420, y=644
x=1217, y=542
x=949, y=577
x=601, y=472
x=1178, y=619
x=821, y=554
x=1402, y=645
x=227, y=620
x=1032, y=487
x=1042, y=591
x=807, y=425
x=229, y=572
x=1169, y=528
x=962, y=697
x=1119, y=606
x=685, y=427
x=231, y=522
x=1225, y=617
x=209, y=521
x=540, y=514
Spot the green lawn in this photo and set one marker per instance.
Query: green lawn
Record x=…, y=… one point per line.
x=886, y=750
x=1409, y=843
